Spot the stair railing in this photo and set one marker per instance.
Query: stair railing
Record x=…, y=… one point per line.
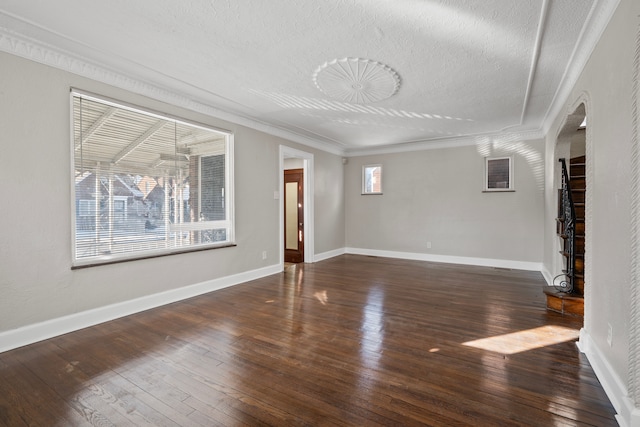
x=568, y=219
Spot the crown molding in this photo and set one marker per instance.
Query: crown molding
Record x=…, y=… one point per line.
x=439, y=143
x=34, y=49
x=27, y=42
x=593, y=28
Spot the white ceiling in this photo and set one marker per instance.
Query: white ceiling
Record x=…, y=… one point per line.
x=465, y=68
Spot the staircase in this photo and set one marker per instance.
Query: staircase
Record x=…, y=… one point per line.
x=567, y=295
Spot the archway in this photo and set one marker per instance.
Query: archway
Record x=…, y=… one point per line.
x=570, y=265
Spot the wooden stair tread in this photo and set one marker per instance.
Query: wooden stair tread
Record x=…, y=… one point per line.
x=578, y=275
x=579, y=219
x=577, y=254
x=550, y=290
x=577, y=236
x=577, y=160
x=564, y=303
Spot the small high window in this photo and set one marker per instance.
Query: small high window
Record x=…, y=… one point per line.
x=146, y=184
x=372, y=179
x=498, y=174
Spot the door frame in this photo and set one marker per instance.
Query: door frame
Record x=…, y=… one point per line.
x=288, y=153
x=293, y=176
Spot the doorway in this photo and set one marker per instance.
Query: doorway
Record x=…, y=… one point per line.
x=291, y=158
x=294, y=215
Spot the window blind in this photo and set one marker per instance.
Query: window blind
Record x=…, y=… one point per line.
x=146, y=184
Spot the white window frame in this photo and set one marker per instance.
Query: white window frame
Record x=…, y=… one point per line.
x=207, y=225
x=364, y=179
x=228, y=223
x=124, y=200
x=89, y=208
x=510, y=187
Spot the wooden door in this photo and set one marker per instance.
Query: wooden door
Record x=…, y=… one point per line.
x=293, y=215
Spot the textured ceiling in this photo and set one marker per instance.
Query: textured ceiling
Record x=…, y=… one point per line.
x=465, y=68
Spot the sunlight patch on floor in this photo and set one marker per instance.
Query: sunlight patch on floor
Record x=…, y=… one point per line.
x=529, y=339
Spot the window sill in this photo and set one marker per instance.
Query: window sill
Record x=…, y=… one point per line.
x=498, y=191
x=98, y=263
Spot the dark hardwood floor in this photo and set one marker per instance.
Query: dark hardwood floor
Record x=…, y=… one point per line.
x=353, y=340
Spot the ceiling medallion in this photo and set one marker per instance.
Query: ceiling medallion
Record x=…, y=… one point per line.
x=356, y=80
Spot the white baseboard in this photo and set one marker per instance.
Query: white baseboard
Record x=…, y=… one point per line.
x=44, y=330
x=486, y=262
x=627, y=414
x=548, y=277
x=330, y=254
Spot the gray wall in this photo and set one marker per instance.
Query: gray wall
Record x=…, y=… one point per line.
x=293, y=163
x=329, y=209
x=605, y=87
x=36, y=282
x=436, y=196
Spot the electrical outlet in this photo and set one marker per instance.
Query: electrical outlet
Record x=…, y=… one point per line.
x=428, y=245
x=609, y=335
x=264, y=254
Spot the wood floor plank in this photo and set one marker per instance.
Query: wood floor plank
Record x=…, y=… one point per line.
x=349, y=341
x=85, y=395
x=36, y=408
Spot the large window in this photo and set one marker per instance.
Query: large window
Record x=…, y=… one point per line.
x=145, y=184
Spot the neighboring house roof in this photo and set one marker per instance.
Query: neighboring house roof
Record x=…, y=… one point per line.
x=123, y=185
x=133, y=188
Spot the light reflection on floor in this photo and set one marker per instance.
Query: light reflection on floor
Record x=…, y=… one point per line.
x=322, y=297
x=372, y=328
x=530, y=339
x=371, y=341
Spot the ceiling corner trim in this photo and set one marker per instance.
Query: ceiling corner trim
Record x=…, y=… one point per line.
x=500, y=138
x=593, y=28
x=544, y=9
x=26, y=47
